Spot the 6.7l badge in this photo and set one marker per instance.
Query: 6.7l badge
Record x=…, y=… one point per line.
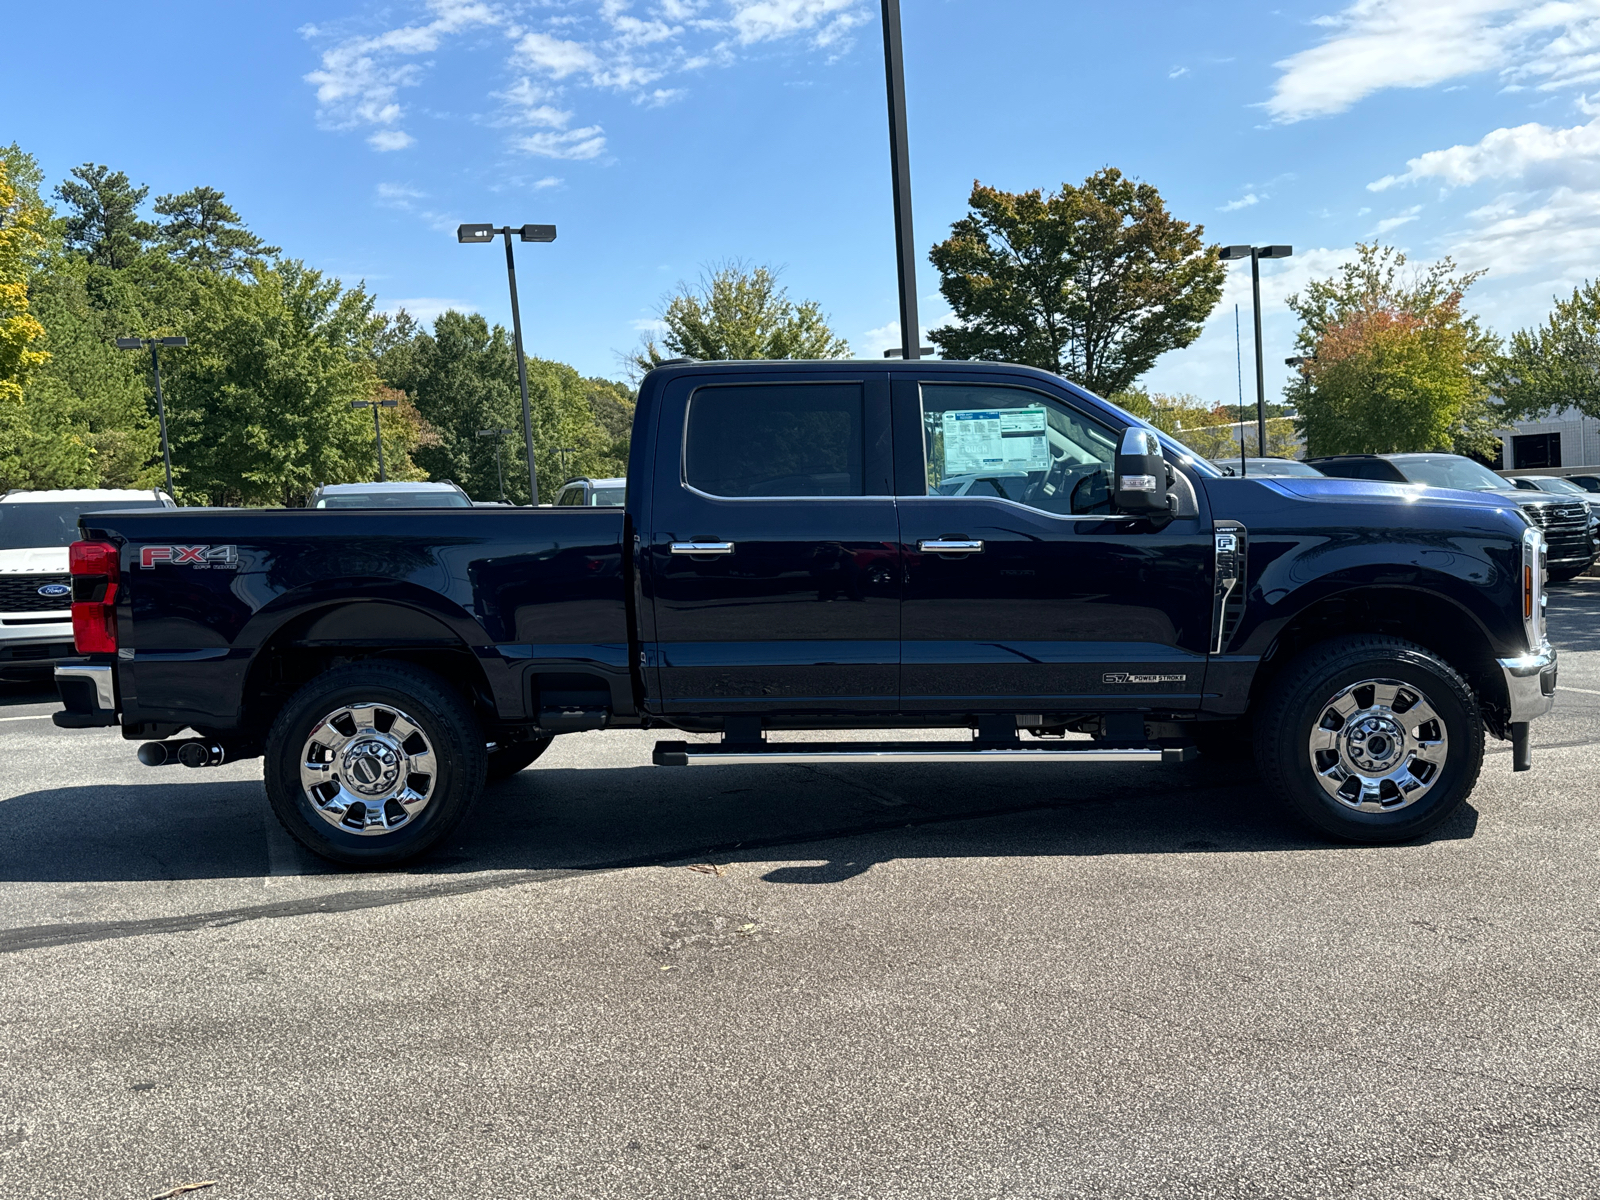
x=1124, y=677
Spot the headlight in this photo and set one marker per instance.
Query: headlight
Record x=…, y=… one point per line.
x=1534, y=568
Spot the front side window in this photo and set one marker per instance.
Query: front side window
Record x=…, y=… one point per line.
x=1016, y=445
x=570, y=497
x=776, y=440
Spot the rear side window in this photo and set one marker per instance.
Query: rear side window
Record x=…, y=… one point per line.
x=570, y=497
x=776, y=440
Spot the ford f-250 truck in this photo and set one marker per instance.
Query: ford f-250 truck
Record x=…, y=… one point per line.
x=832, y=545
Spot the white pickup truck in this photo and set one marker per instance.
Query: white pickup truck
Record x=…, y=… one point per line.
x=35, y=587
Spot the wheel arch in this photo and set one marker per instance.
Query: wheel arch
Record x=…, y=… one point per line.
x=1428, y=617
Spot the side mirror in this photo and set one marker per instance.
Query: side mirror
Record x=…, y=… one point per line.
x=1141, y=475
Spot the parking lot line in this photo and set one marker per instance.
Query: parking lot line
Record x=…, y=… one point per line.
x=35, y=717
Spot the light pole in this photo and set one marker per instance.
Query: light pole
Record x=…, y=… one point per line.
x=470, y=234
x=498, y=434
x=375, y=405
x=1255, y=254
x=905, y=245
x=134, y=343
x=564, y=451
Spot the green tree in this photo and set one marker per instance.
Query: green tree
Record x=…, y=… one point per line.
x=203, y=232
x=258, y=405
x=738, y=312
x=613, y=404
x=1555, y=365
x=1397, y=364
x=103, y=221
x=1094, y=282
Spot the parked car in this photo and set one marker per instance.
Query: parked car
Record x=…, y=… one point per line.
x=1267, y=468
x=400, y=494
x=36, y=528
x=1589, y=483
x=1554, y=485
x=1566, y=525
x=592, y=493
x=786, y=560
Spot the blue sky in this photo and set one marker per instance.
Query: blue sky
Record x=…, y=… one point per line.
x=661, y=135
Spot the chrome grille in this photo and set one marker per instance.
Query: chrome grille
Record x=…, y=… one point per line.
x=20, y=594
x=1566, y=528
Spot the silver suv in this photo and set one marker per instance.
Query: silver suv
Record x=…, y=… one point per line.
x=35, y=588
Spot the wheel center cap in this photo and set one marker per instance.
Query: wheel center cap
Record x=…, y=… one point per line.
x=371, y=767
x=1375, y=744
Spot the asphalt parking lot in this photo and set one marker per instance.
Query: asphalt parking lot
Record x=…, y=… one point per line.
x=802, y=982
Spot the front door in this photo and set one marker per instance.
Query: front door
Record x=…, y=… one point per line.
x=773, y=564
x=1024, y=591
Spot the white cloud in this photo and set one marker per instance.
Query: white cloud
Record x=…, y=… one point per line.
x=555, y=57
x=1244, y=201
x=588, y=142
x=398, y=195
x=1558, y=234
x=1399, y=219
x=650, y=325
x=428, y=309
x=1507, y=154
x=360, y=77
x=1177, y=72
x=549, y=181
x=391, y=139
x=603, y=44
x=1379, y=44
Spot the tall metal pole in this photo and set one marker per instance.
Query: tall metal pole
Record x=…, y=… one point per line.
x=522, y=371
x=377, y=432
x=498, y=472
x=161, y=414
x=905, y=244
x=1238, y=366
x=1261, y=371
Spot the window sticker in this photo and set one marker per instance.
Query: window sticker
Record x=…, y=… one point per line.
x=1009, y=439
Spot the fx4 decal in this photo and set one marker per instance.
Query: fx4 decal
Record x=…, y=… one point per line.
x=1124, y=677
x=221, y=557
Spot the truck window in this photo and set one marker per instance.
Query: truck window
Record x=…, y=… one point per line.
x=1017, y=444
x=571, y=496
x=776, y=440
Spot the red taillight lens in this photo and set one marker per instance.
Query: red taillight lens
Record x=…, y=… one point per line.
x=94, y=596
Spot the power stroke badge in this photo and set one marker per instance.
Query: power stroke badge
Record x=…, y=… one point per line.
x=1124, y=677
x=223, y=558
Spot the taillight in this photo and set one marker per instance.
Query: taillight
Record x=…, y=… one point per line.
x=94, y=596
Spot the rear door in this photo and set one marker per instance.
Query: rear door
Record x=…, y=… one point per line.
x=773, y=560
x=1030, y=595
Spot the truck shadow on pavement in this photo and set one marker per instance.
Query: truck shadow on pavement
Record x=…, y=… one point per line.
x=834, y=823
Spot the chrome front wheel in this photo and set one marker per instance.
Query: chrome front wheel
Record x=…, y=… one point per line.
x=368, y=768
x=1379, y=746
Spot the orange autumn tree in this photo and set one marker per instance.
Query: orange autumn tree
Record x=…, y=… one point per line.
x=1398, y=364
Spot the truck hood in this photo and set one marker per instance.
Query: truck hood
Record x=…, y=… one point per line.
x=41, y=560
x=1346, y=490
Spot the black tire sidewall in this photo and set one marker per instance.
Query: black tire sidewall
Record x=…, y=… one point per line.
x=1284, y=754
x=445, y=721
x=510, y=760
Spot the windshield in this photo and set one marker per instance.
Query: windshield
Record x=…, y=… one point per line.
x=28, y=526
x=395, y=500
x=608, y=497
x=1552, y=484
x=1272, y=468
x=1452, y=471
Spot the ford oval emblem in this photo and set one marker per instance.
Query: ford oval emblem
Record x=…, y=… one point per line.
x=55, y=589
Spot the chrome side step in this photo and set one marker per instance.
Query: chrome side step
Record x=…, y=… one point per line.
x=711, y=754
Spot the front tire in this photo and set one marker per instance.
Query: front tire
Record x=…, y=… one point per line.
x=374, y=763
x=1370, y=739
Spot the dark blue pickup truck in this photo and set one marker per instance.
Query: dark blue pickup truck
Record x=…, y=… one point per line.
x=939, y=546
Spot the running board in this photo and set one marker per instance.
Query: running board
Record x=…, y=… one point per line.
x=713, y=754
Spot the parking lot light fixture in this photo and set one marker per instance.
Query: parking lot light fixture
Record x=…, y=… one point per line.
x=1255, y=254
x=375, y=405
x=498, y=435
x=133, y=343
x=477, y=235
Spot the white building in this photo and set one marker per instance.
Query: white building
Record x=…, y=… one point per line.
x=1564, y=439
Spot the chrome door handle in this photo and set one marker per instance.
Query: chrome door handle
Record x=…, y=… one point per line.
x=951, y=546
x=702, y=548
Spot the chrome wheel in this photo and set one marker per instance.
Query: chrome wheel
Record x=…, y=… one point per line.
x=1379, y=746
x=368, y=769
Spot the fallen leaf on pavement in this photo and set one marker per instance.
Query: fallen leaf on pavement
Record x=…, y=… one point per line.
x=709, y=869
x=185, y=1187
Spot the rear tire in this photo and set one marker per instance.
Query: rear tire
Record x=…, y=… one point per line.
x=374, y=763
x=508, y=760
x=1370, y=739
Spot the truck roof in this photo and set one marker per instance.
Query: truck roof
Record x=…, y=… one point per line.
x=83, y=495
